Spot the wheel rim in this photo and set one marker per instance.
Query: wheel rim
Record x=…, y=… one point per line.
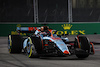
x=8, y=44
x=28, y=48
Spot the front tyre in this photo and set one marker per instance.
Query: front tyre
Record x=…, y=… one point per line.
x=31, y=51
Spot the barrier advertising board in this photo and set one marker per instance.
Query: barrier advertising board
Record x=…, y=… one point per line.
x=72, y=29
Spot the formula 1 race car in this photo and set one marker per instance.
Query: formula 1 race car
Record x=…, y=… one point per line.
x=36, y=45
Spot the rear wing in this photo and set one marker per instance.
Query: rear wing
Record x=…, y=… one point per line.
x=27, y=29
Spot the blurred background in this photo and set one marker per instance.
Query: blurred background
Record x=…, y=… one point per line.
x=83, y=15
x=49, y=11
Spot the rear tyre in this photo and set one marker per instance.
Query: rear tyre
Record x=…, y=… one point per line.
x=14, y=43
x=82, y=47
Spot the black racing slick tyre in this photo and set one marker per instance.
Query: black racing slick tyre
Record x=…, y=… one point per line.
x=31, y=50
x=14, y=43
x=82, y=47
x=37, y=41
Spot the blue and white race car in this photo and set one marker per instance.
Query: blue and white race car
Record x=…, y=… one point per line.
x=48, y=44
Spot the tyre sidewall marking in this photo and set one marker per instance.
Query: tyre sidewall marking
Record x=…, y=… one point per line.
x=30, y=53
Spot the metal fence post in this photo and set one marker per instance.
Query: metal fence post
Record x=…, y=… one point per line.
x=35, y=2
x=70, y=11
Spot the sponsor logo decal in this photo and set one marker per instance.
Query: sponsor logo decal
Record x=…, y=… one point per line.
x=18, y=25
x=15, y=32
x=67, y=30
x=67, y=26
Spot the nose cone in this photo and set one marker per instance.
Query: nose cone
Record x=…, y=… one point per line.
x=66, y=52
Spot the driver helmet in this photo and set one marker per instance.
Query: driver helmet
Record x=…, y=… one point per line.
x=43, y=28
x=46, y=27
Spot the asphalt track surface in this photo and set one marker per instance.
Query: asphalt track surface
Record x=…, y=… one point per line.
x=21, y=60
